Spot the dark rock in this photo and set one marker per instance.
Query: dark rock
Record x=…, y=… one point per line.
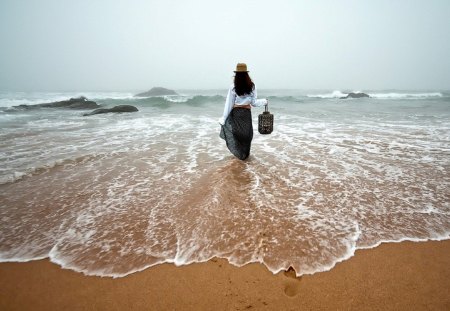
x=157, y=91
x=73, y=103
x=120, y=108
x=355, y=95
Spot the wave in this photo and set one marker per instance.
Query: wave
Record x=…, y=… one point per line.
x=172, y=100
x=8, y=101
x=334, y=94
x=171, y=235
x=169, y=180
x=12, y=105
x=286, y=98
x=21, y=98
x=405, y=95
x=390, y=95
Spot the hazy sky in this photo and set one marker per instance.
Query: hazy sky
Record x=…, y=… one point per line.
x=56, y=45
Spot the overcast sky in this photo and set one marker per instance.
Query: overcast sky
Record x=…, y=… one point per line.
x=57, y=45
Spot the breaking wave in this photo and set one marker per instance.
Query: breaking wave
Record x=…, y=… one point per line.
x=390, y=95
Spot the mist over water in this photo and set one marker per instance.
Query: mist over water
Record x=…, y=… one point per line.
x=113, y=194
x=52, y=45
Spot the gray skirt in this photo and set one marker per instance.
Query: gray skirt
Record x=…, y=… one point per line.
x=238, y=132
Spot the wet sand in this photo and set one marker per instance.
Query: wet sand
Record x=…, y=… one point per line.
x=396, y=276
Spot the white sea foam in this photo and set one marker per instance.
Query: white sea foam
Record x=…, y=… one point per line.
x=126, y=192
x=16, y=99
x=405, y=95
x=390, y=95
x=177, y=98
x=334, y=94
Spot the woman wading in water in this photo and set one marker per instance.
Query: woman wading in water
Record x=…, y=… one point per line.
x=237, y=129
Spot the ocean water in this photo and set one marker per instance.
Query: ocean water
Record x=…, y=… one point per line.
x=113, y=194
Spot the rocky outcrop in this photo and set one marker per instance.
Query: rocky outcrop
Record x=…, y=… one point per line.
x=157, y=91
x=120, y=108
x=355, y=95
x=73, y=103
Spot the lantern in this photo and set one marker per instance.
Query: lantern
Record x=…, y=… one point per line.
x=265, y=121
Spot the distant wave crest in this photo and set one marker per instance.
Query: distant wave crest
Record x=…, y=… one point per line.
x=166, y=101
x=390, y=95
x=405, y=95
x=334, y=94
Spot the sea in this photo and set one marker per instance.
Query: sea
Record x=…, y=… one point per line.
x=114, y=194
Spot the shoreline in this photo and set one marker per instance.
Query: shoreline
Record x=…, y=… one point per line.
x=393, y=276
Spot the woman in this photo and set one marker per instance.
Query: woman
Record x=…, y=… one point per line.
x=237, y=129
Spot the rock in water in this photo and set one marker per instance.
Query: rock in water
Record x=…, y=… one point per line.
x=120, y=108
x=157, y=91
x=73, y=103
x=355, y=95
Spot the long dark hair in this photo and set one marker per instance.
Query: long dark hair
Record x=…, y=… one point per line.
x=243, y=84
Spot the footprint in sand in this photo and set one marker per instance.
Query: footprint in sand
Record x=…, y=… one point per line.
x=292, y=286
x=291, y=289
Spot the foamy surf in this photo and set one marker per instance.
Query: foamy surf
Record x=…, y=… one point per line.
x=380, y=95
x=115, y=194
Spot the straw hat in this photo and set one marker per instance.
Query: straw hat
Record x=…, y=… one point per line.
x=241, y=67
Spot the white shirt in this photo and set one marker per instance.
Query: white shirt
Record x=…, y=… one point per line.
x=243, y=100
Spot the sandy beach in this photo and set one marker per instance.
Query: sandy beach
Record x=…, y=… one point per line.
x=396, y=276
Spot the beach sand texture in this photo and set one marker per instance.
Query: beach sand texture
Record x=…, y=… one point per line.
x=404, y=276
